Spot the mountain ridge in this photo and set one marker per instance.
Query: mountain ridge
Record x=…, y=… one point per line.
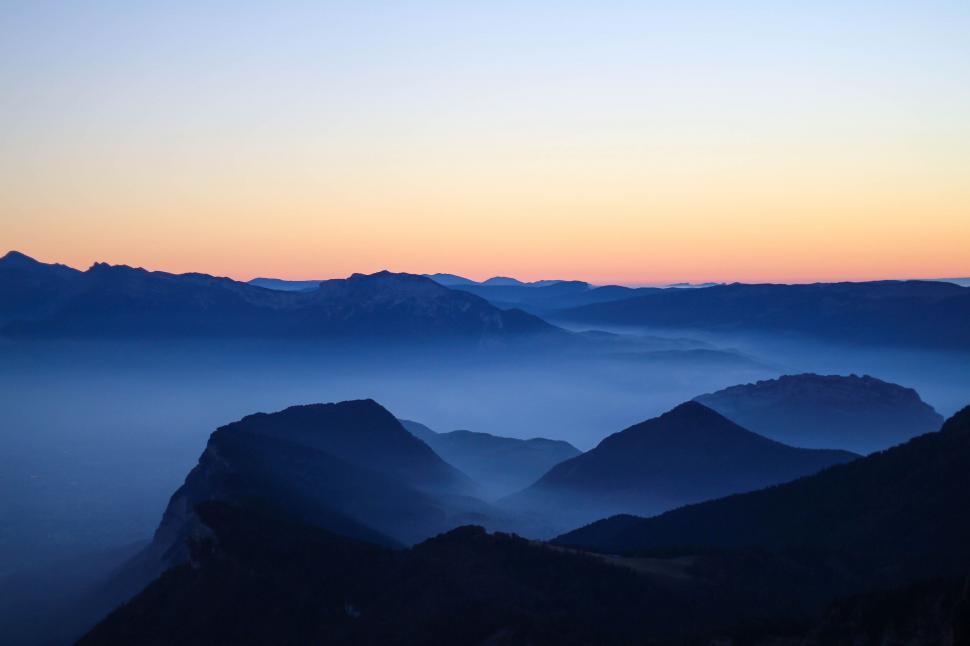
x=687, y=454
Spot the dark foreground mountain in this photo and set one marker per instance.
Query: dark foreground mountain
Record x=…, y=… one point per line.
x=922, y=314
x=860, y=414
x=256, y=574
x=255, y=577
x=118, y=301
x=501, y=465
x=688, y=454
x=896, y=515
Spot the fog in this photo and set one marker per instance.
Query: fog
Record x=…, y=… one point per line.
x=96, y=437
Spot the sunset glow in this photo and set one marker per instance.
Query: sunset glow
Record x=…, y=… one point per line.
x=633, y=143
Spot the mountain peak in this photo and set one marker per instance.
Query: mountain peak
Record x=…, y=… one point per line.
x=502, y=280
x=14, y=257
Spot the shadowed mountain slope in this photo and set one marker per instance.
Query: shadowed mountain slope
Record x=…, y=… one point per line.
x=688, y=454
x=350, y=467
x=501, y=465
x=899, y=512
x=860, y=414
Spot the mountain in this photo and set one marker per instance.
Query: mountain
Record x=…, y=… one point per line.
x=501, y=465
x=257, y=573
x=286, y=285
x=688, y=454
x=120, y=301
x=898, y=515
x=258, y=577
x=349, y=467
x=963, y=282
x=503, y=280
x=900, y=313
x=470, y=587
x=546, y=297
x=29, y=288
x=859, y=414
x=449, y=280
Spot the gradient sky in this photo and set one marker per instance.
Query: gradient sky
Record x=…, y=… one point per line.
x=609, y=141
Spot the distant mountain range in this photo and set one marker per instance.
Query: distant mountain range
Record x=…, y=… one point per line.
x=119, y=301
x=909, y=313
x=686, y=455
x=501, y=465
x=891, y=517
x=895, y=313
x=859, y=414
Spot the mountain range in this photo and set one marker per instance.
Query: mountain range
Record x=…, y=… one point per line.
x=42, y=300
x=688, y=454
x=859, y=414
x=891, y=517
x=501, y=465
x=873, y=551
x=896, y=313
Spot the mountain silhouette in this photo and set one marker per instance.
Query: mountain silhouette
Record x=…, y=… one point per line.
x=29, y=288
x=688, y=454
x=899, y=514
x=501, y=465
x=259, y=577
x=121, y=301
x=859, y=414
x=909, y=313
x=350, y=467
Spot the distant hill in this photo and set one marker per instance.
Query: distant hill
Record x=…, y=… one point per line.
x=546, y=297
x=894, y=516
x=119, y=301
x=688, y=454
x=859, y=414
x=286, y=285
x=501, y=465
x=449, y=280
x=901, y=313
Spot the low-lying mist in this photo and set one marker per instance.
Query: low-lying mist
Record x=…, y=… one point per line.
x=97, y=436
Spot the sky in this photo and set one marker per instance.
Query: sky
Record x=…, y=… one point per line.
x=634, y=142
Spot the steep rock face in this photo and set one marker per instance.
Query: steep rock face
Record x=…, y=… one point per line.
x=898, y=514
x=501, y=465
x=688, y=454
x=860, y=414
x=349, y=467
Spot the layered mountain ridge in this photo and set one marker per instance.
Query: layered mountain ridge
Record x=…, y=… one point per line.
x=119, y=301
x=688, y=454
